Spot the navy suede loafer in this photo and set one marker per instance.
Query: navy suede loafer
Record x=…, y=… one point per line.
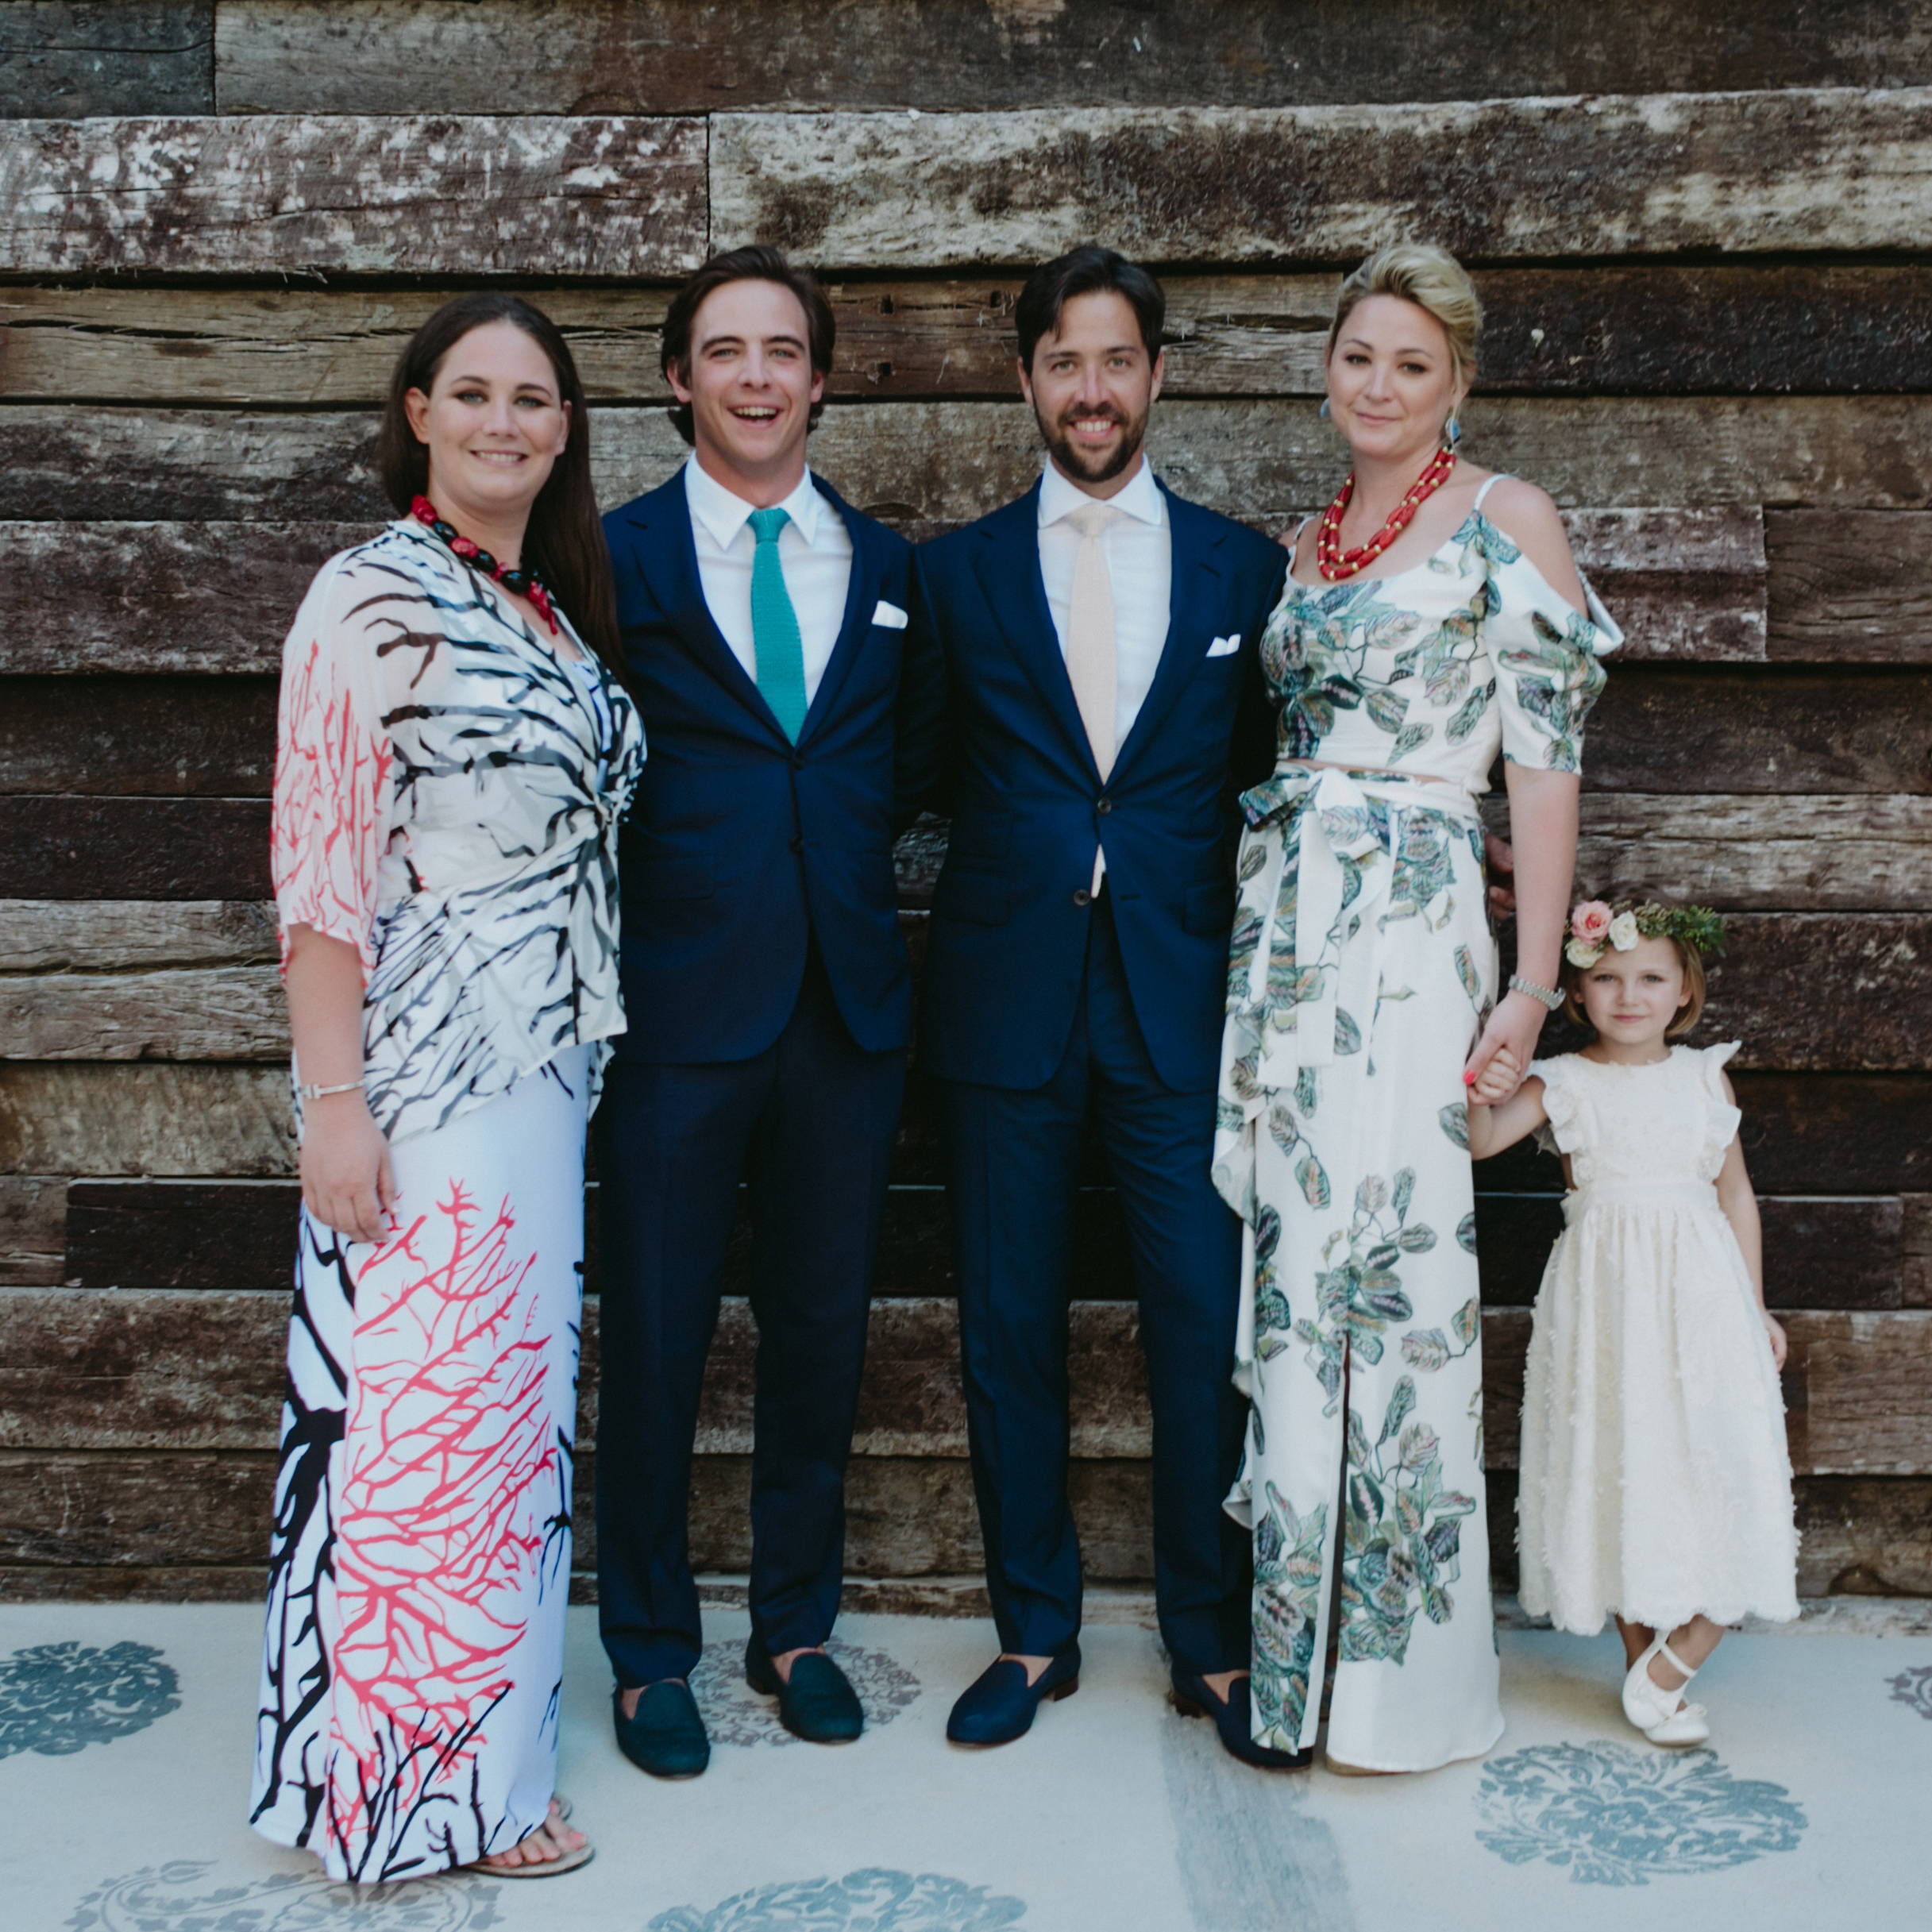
x=998, y=1706
x=815, y=1703
x=1195, y=1698
x=666, y=1738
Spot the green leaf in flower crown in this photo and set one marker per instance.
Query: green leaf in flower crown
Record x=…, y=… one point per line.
x=1467, y=1321
x=1425, y=1348
x=1454, y=1121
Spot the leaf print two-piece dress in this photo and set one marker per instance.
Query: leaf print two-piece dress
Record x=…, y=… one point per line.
x=1362, y=970
x=447, y=793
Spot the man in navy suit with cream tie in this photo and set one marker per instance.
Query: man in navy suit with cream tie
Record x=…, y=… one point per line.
x=1101, y=638
x=792, y=717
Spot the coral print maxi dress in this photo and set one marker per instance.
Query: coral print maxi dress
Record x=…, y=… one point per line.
x=447, y=791
x=1362, y=970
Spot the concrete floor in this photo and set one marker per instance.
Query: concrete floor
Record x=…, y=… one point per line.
x=125, y=1730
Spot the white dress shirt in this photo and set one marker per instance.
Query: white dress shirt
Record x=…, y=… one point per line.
x=1139, y=552
x=814, y=553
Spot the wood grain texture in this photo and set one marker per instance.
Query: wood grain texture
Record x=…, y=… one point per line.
x=32, y=1230
x=134, y=848
x=1264, y=461
x=1859, y=1392
x=133, y=737
x=196, y=1013
x=1660, y=329
x=143, y=1119
x=57, y=935
x=1830, y=169
x=1848, y=585
x=350, y=193
x=76, y=57
x=376, y=56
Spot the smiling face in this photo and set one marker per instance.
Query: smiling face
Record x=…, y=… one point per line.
x=749, y=385
x=1393, y=382
x=1091, y=385
x=1631, y=998
x=494, y=425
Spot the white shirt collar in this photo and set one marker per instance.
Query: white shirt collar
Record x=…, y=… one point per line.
x=1141, y=499
x=724, y=513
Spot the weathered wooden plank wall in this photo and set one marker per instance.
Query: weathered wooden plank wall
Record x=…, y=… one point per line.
x=1709, y=335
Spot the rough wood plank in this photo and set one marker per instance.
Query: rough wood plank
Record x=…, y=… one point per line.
x=75, y=57
x=1263, y=461
x=1864, y=1535
x=1859, y=1390
x=378, y=56
x=1657, y=328
x=1848, y=584
x=32, y=1230
x=133, y=848
x=1915, y=1287
x=1832, y=169
x=56, y=935
x=266, y=193
x=144, y=1119
x=1666, y=730
x=196, y=1013
x=131, y=737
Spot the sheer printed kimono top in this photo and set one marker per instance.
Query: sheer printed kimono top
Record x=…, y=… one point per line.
x=447, y=790
x=1430, y=671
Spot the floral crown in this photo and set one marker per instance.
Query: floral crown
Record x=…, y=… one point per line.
x=1595, y=926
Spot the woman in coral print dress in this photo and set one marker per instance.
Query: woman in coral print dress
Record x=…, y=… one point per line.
x=453, y=757
x=1432, y=617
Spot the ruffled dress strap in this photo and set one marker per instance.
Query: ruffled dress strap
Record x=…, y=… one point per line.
x=1722, y=1116
x=1567, y=1129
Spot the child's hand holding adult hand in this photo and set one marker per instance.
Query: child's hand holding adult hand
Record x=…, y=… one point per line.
x=1498, y=1081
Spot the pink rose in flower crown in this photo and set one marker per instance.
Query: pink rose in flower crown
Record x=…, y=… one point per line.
x=1591, y=922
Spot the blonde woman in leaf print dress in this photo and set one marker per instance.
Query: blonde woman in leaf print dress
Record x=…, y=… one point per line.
x=1432, y=617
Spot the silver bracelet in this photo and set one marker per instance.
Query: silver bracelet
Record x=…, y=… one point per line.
x=1542, y=995
x=309, y=1091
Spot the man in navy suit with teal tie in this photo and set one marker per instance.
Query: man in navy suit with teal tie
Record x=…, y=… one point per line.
x=1101, y=637
x=791, y=712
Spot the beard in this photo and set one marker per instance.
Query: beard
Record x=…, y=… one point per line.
x=1089, y=465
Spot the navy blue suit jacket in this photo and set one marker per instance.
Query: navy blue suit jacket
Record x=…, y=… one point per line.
x=1009, y=914
x=740, y=846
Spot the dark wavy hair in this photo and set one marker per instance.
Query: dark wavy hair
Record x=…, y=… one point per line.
x=757, y=263
x=1087, y=270
x=564, y=543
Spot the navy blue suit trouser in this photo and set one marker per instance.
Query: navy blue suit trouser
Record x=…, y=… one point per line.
x=808, y=1124
x=1015, y=1160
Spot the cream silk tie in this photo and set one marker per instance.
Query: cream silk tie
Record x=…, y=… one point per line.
x=1091, y=664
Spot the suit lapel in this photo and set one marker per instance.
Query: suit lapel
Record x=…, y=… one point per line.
x=854, y=627
x=1008, y=567
x=1192, y=598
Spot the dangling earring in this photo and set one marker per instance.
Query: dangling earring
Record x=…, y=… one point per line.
x=1451, y=432
x=1322, y=412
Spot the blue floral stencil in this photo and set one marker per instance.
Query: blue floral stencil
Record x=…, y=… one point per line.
x=870, y=1901
x=176, y=1897
x=735, y=1713
x=57, y=1699
x=1616, y=1815
x=1914, y=1687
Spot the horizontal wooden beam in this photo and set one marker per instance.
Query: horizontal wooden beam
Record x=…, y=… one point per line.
x=32, y=1230
x=1827, y=169
x=135, y=1369
x=1656, y=328
x=394, y=57
x=54, y=936
x=76, y=57
x=1848, y=586
x=134, y=848
x=947, y=462
x=348, y=193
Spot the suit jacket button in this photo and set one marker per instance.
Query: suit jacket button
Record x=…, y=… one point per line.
x=1082, y=897
x=1103, y=804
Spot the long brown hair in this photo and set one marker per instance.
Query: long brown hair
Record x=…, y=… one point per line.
x=564, y=543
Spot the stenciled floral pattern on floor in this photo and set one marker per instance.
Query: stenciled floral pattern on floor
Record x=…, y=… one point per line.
x=57, y=1698
x=180, y=1897
x=1619, y=1815
x=873, y=1900
x=735, y=1713
x=1914, y=1688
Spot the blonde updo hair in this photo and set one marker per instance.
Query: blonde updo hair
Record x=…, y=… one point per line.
x=1433, y=279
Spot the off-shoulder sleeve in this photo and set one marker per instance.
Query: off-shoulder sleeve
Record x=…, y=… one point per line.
x=1722, y=1116
x=1563, y=1133
x=1547, y=657
x=330, y=820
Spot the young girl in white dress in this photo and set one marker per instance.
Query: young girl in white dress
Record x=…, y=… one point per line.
x=1656, y=1481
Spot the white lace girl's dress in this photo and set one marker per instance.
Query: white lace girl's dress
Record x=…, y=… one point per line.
x=1656, y=1480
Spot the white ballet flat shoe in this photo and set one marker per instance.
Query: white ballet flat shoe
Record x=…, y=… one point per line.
x=1658, y=1713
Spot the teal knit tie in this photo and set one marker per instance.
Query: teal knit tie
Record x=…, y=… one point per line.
x=779, y=651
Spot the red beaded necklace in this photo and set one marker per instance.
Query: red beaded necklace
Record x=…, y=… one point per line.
x=520, y=583
x=1335, y=563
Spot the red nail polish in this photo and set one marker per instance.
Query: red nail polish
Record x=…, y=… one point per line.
x=1469, y=1079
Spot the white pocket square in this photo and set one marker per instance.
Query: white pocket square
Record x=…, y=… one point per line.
x=1225, y=647
x=890, y=615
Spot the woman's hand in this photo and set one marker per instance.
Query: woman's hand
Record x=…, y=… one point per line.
x=1780, y=1346
x=1515, y=1027
x=347, y=1177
